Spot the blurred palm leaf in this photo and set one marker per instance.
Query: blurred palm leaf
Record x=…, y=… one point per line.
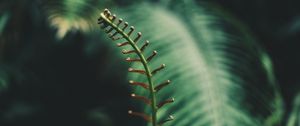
x=76, y=15
x=221, y=76
x=3, y=21
x=294, y=117
x=72, y=15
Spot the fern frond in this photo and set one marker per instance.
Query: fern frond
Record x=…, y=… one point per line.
x=217, y=67
x=116, y=30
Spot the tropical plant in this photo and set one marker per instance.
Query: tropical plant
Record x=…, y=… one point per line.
x=56, y=64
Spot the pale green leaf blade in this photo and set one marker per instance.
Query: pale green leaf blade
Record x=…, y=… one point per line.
x=220, y=76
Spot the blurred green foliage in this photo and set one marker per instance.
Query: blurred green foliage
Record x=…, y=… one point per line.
x=58, y=68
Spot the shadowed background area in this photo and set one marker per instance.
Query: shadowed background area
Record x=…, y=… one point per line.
x=58, y=68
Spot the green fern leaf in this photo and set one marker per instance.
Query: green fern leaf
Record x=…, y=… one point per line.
x=220, y=76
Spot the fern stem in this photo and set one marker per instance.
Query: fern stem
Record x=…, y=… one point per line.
x=145, y=65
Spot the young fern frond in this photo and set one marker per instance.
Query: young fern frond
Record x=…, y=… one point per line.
x=115, y=28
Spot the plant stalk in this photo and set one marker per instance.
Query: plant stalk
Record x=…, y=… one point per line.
x=145, y=65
